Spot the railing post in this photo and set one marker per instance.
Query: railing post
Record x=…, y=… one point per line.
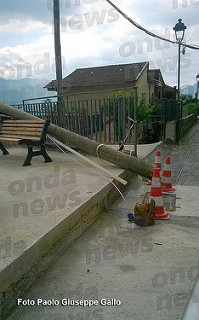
x=23, y=105
x=135, y=119
x=123, y=117
x=60, y=107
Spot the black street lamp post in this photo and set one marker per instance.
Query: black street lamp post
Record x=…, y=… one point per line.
x=179, y=33
x=197, y=83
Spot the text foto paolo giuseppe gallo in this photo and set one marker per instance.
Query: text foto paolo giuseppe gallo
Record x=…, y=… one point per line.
x=69, y=302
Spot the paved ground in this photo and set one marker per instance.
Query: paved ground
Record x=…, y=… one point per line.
x=150, y=270
x=35, y=199
x=41, y=209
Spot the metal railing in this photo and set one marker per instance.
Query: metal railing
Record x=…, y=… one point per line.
x=104, y=120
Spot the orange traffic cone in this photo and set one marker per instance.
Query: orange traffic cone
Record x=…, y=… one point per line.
x=156, y=195
x=166, y=177
x=157, y=163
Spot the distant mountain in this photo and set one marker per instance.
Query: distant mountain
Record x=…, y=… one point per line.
x=191, y=90
x=13, y=91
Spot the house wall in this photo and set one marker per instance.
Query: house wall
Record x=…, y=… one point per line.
x=145, y=89
x=143, y=86
x=151, y=91
x=95, y=92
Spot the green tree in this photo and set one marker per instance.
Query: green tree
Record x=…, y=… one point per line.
x=190, y=105
x=144, y=110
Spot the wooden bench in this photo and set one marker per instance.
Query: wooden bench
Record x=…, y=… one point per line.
x=29, y=132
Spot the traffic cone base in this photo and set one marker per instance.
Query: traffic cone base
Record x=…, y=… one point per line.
x=168, y=189
x=166, y=178
x=161, y=214
x=164, y=216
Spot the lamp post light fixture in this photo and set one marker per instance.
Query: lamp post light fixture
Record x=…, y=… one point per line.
x=197, y=83
x=179, y=33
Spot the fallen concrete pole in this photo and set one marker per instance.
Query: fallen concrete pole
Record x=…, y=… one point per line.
x=118, y=158
x=110, y=174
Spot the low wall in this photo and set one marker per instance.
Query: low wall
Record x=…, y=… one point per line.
x=170, y=131
x=186, y=123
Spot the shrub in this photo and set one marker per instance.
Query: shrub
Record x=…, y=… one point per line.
x=144, y=110
x=189, y=105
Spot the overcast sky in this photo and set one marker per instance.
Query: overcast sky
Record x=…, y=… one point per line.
x=94, y=34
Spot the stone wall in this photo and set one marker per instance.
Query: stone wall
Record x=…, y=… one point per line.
x=188, y=122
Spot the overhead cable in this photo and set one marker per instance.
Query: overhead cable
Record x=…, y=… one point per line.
x=147, y=31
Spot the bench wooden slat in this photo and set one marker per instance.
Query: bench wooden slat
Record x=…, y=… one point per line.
x=18, y=129
x=31, y=125
x=9, y=139
x=21, y=129
x=20, y=133
x=20, y=137
x=24, y=126
x=24, y=121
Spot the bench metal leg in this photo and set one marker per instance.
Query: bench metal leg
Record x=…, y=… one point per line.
x=29, y=156
x=32, y=153
x=5, y=151
x=45, y=155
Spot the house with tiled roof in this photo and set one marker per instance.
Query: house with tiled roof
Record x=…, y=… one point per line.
x=100, y=82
